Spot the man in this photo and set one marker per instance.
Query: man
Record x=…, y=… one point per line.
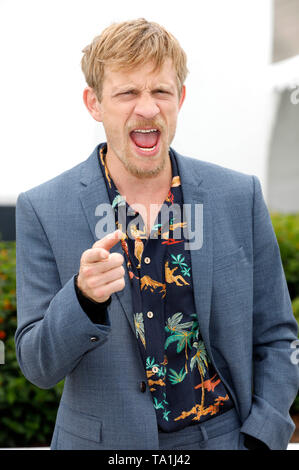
x=152, y=282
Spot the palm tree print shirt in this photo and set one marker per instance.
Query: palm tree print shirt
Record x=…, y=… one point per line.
x=184, y=384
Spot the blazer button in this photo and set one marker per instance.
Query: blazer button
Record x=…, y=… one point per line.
x=142, y=387
x=93, y=339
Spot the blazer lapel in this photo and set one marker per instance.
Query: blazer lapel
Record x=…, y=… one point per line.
x=92, y=195
x=201, y=258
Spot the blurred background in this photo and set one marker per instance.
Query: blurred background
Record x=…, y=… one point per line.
x=241, y=111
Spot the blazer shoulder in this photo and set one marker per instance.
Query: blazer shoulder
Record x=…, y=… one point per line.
x=62, y=186
x=214, y=176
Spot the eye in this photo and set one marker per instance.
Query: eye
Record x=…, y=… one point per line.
x=129, y=92
x=162, y=92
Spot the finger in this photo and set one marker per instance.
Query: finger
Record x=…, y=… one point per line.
x=106, y=278
x=107, y=289
x=95, y=267
x=93, y=255
x=109, y=240
x=114, y=261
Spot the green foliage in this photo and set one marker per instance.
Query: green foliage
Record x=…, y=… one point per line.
x=286, y=227
x=295, y=305
x=27, y=412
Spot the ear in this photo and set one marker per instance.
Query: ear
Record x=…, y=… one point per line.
x=92, y=104
x=182, y=97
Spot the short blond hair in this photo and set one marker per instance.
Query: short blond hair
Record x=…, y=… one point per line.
x=128, y=44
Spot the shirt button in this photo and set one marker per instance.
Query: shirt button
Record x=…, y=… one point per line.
x=155, y=369
x=93, y=339
x=147, y=260
x=142, y=387
x=150, y=314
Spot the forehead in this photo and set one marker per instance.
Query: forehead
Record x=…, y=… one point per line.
x=141, y=76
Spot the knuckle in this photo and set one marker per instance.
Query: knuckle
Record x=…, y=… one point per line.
x=117, y=285
x=102, y=252
x=99, y=292
x=117, y=258
x=91, y=283
x=96, y=244
x=86, y=270
x=83, y=269
x=86, y=254
x=120, y=258
x=118, y=272
x=122, y=270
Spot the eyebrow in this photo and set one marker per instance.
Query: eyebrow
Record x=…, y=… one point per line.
x=123, y=89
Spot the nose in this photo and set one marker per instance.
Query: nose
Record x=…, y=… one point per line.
x=146, y=106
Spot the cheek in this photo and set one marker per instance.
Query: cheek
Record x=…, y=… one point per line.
x=171, y=122
x=119, y=123
x=112, y=125
x=170, y=112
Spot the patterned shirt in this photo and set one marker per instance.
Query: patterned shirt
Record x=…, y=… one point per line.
x=184, y=385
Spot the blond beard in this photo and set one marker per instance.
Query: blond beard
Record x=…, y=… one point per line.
x=138, y=172
x=129, y=162
x=142, y=172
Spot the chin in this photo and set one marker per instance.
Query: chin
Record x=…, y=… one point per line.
x=143, y=166
x=142, y=173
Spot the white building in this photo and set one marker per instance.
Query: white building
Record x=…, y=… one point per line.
x=232, y=115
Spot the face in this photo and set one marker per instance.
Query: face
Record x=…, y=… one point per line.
x=139, y=111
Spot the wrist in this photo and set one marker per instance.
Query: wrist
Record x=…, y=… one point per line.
x=81, y=294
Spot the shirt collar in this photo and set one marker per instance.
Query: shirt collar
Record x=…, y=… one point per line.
x=174, y=195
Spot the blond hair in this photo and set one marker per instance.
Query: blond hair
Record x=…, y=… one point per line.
x=128, y=44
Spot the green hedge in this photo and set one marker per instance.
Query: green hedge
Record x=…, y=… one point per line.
x=27, y=413
x=286, y=227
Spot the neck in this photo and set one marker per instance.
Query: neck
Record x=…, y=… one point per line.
x=145, y=190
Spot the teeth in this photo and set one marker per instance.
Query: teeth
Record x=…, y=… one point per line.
x=147, y=149
x=145, y=131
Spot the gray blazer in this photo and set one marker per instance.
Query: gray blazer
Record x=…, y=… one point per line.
x=241, y=298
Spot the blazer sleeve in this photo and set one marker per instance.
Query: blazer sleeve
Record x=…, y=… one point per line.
x=96, y=311
x=275, y=330
x=53, y=331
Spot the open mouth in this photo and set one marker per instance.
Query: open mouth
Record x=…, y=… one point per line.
x=145, y=139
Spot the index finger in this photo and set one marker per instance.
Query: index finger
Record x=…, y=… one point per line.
x=109, y=240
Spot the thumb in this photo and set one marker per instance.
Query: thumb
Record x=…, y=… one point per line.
x=109, y=240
